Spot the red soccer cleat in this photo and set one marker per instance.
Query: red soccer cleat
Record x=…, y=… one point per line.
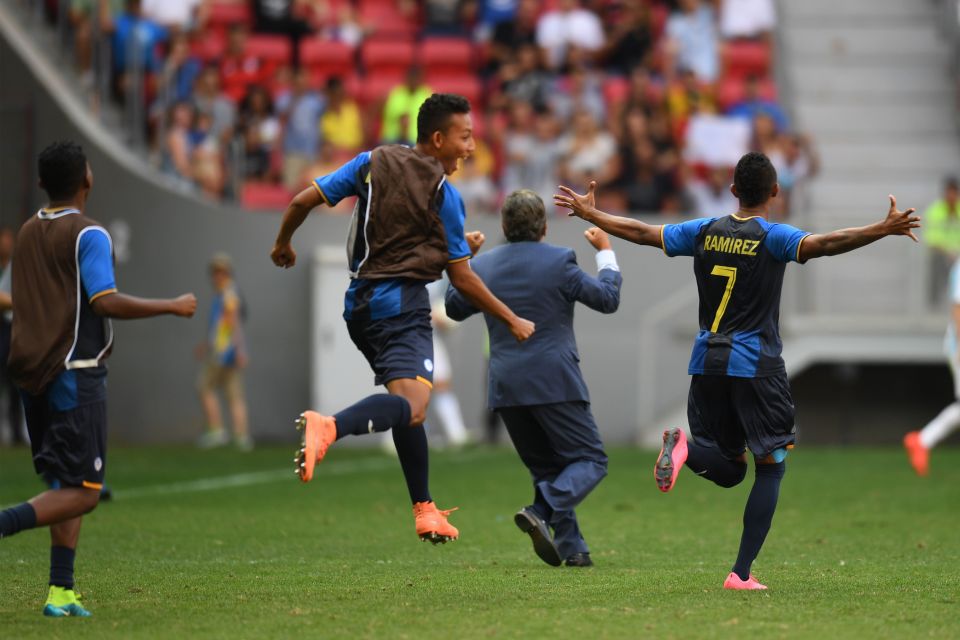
x=918, y=454
x=431, y=523
x=319, y=432
x=734, y=582
x=672, y=456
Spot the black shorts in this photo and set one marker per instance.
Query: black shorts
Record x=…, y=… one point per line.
x=397, y=347
x=70, y=445
x=732, y=414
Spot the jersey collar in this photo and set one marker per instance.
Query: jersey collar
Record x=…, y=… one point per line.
x=51, y=214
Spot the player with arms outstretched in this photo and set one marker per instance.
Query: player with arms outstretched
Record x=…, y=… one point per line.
x=63, y=294
x=407, y=229
x=739, y=394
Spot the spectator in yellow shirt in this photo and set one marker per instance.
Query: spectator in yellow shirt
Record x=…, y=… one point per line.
x=340, y=124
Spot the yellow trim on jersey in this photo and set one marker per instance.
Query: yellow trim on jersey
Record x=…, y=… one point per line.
x=105, y=292
x=663, y=245
x=425, y=381
x=56, y=210
x=800, y=244
x=455, y=260
x=322, y=194
x=92, y=485
x=736, y=217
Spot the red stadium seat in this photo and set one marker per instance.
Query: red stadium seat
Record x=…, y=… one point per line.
x=446, y=56
x=742, y=59
x=273, y=49
x=264, y=196
x=325, y=58
x=210, y=46
x=466, y=85
x=375, y=88
x=386, y=21
x=386, y=57
x=223, y=14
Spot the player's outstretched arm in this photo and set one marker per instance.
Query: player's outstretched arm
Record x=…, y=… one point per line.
x=124, y=307
x=302, y=204
x=583, y=206
x=469, y=284
x=897, y=223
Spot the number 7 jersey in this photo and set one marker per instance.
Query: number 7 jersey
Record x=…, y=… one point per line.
x=739, y=265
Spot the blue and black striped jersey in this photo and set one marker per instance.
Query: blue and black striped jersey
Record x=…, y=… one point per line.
x=739, y=265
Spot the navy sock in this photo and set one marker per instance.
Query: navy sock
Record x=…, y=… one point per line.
x=379, y=412
x=16, y=519
x=411, y=443
x=709, y=463
x=758, y=515
x=61, y=566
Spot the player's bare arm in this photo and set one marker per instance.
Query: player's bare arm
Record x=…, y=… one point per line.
x=302, y=204
x=124, y=307
x=471, y=286
x=584, y=206
x=897, y=223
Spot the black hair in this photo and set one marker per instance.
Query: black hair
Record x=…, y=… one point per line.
x=524, y=217
x=435, y=114
x=62, y=168
x=754, y=179
x=951, y=183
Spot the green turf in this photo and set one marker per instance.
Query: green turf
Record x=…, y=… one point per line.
x=859, y=548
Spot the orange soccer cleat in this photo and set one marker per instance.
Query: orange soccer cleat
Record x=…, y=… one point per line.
x=918, y=454
x=432, y=523
x=319, y=432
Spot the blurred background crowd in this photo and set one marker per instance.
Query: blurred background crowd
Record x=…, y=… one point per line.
x=250, y=99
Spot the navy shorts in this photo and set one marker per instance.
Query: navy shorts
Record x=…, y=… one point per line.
x=396, y=347
x=733, y=414
x=68, y=429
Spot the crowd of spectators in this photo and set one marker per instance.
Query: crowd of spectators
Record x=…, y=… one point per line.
x=653, y=99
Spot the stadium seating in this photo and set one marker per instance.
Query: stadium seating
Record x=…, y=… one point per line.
x=326, y=58
x=272, y=49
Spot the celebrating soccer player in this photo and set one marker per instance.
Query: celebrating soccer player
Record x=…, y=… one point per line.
x=739, y=394
x=63, y=294
x=407, y=229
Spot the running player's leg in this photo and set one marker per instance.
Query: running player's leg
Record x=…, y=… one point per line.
x=765, y=408
x=919, y=443
x=538, y=456
x=444, y=399
x=716, y=453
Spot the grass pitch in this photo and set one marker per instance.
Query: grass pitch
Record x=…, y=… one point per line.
x=227, y=545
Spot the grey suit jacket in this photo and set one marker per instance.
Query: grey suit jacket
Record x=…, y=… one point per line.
x=542, y=283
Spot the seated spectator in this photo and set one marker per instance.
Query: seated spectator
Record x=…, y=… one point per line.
x=580, y=89
x=568, y=26
x=208, y=99
x=176, y=150
x=207, y=157
x=532, y=152
x=687, y=95
x=630, y=41
x=135, y=40
x=493, y=13
x=712, y=197
x=178, y=16
x=340, y=124
x=510, y=35
x=692, y=41
x=180, y=71
x=524, y=80
x=753, y=104
x=647, y=187
x=300, y=109
x=747, y=18
x=286, y=18
x=799, y=163
x=260, y=129
x=447, y=17
x=589, y=153
x=401, y=108
x=238, y=70
x=474, y=182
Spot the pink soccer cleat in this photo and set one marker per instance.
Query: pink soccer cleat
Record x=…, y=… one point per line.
x=672, y=456
x=734, y=582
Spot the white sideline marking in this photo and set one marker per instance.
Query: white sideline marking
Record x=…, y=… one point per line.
x=254, y=478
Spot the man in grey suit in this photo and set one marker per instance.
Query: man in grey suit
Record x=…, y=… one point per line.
x=537, y=386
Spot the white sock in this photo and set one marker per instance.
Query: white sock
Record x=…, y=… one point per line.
x=448, y=408
x=941, y=426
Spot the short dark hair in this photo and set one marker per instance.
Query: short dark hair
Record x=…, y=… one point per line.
x=524, y=217
x=951, y=182
x=435, y=112
x=62, y=168
x=754, y=179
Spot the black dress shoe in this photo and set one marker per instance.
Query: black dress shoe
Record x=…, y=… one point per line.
x=580, y=560
x=529, y=522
